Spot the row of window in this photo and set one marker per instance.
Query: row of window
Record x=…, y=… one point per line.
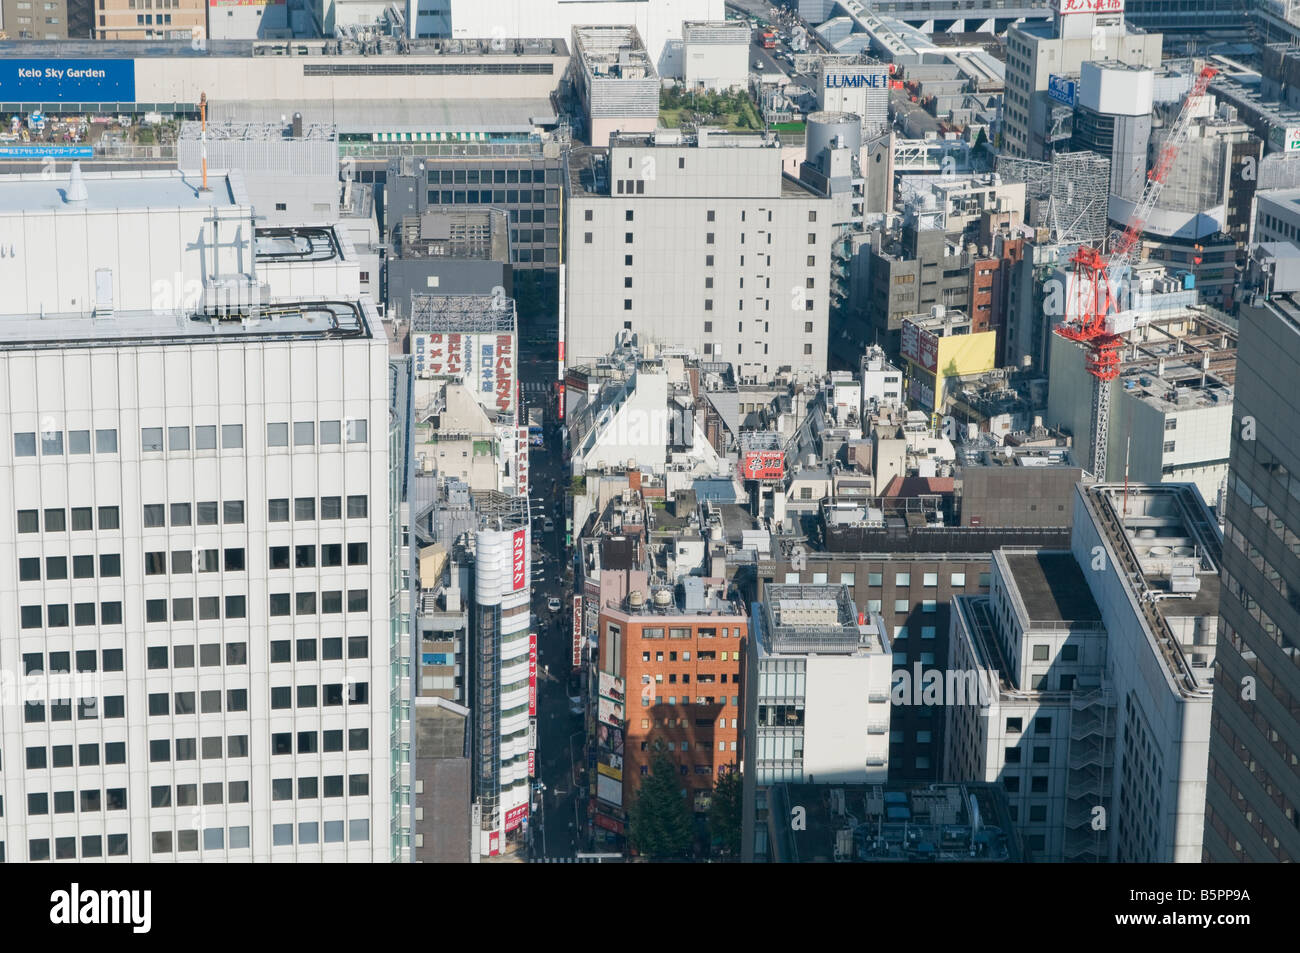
x=182, y=609
x=56, y=616
x=331, y=602
x=88, y=709
x=87, y=661
x=39, y=757
x=313, y=742
x=65, y=802
x=331, y=554
x=357, y=693
x=56, y=567
x=331, y=649
x=304, y=508
x=187, y=749
x=56, y=520
x=687, y=700
x=702, y=656
x=491, y=176
x=156, y=515
x=54, y=442
x=65, y=848
x=210, y=702
x=487, y=196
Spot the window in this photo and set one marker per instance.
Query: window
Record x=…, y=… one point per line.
x=151, y=439
x=277, y=511
x=25, y=444
x=178, y=438
x=79, y=442
x=1069, y=653
x=106, y=441
x=232, y=436
x=304, y=433
x=957, y=580
x=1169, y=446
x=205, y=437
x=358, y=431
x=356, y=507
x=56, y=521
x=277, y=435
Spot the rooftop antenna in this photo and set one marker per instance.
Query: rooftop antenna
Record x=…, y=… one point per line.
x=203, y=138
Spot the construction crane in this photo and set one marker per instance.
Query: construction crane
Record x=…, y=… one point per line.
x=1098, y=279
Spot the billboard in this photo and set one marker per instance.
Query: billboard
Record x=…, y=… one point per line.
x=763, y=465
x=1286, y=138
x=1066, y=7
x=920, y=346
x=609, y=790
x=30, y=80
x=485, y=363
x=532, y=674
x=515, y=816
x=521, y=461
x=532, y=764
x=518, y=560
x=1061, y=89
x=577, y=631
x=610, y=707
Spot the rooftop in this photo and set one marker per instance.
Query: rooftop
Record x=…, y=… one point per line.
x=280, y=321
x=613, y=52
x=866, y=823
x=815, y=619
x=302, y=48
x=1052, y=587
x=118, y=190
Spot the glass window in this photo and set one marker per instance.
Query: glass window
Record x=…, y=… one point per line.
x=25, y=444
x=78, y=442
x=106, y=441
x=356, y=507
x=304, y=433
x=180, y=514
x=357, y=431
x=277, y=435
x=304, y=508
x=178, y=438
x=232, y=436
x=902, y=579
x=108, y=517
x=205, y=437
x=958, y=580
x=56, y=521
x=52, y=443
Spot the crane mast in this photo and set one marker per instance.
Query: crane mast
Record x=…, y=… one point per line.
x=1098, y=278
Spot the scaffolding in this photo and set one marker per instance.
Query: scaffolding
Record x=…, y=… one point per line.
x=1071, y=194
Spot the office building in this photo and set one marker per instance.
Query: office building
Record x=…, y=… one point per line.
x=166, y=19
x=35, y=19
x=1253, y=798
x=1038, y=50
x=196, y=468
x=1097, y=663
x=698, y=241
x=669, y=680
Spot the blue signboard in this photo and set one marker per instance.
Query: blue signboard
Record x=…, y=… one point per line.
x=438, y=658
x=42, y=152
x=26, y=80
x=1061, y=89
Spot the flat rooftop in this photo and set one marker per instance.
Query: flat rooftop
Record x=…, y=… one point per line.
x=898, y=823
x=282, y=320
x=1052, y=587
x=302, y=48
x=109, y=191
x=500, y=116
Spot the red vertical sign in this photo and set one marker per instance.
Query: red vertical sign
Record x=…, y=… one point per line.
x=577, y=631
x=532, y=674
x=519, y=560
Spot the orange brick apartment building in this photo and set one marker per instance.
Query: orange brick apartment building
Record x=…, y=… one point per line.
x=675, y=656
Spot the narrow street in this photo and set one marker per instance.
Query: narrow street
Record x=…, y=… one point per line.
x=554, y=827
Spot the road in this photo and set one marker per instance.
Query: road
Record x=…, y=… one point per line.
x=559, y=732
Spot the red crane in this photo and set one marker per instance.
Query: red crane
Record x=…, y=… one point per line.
x=1098, y=278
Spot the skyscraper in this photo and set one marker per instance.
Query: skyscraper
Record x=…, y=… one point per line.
x=1253, y=789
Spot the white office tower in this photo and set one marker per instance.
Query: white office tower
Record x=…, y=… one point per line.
x=194, y=529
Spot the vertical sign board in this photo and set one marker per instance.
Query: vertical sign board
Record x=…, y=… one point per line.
x=521, y=462
x=494, y=843
x=532, y=674
x=519, y=560
x=577, y=631
x=1061, y=89
x=505, y=372
x=515, y=816
x=532, y=764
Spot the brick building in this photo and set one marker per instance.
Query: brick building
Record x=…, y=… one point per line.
x=677, y=650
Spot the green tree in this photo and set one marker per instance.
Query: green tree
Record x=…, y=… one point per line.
x=725, y=812
x=660, y=819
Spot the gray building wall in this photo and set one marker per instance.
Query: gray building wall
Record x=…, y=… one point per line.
x=442, y=787
x=736, y=265
x=1018, y=496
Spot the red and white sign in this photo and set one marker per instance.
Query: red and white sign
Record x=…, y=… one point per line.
x=1064, y=7
x=521, y=461
x=519, y=560
x=532, y=764
x=577, y=631
x=532, y=674
x=515, y=816
x=454, y=354
x=763, y=465
x=505, y=377
x=494, y=843
x=919, y=346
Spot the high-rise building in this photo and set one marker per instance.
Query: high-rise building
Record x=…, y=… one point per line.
x=1252, y=794
x=1040, y=50
x=196, y=523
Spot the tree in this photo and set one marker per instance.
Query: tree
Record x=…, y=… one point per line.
x=660, y=819
x=725, y=812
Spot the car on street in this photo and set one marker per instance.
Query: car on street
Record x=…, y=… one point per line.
x=553, y=604
x=548, y=526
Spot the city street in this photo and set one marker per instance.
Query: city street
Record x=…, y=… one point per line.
x=554, y=827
